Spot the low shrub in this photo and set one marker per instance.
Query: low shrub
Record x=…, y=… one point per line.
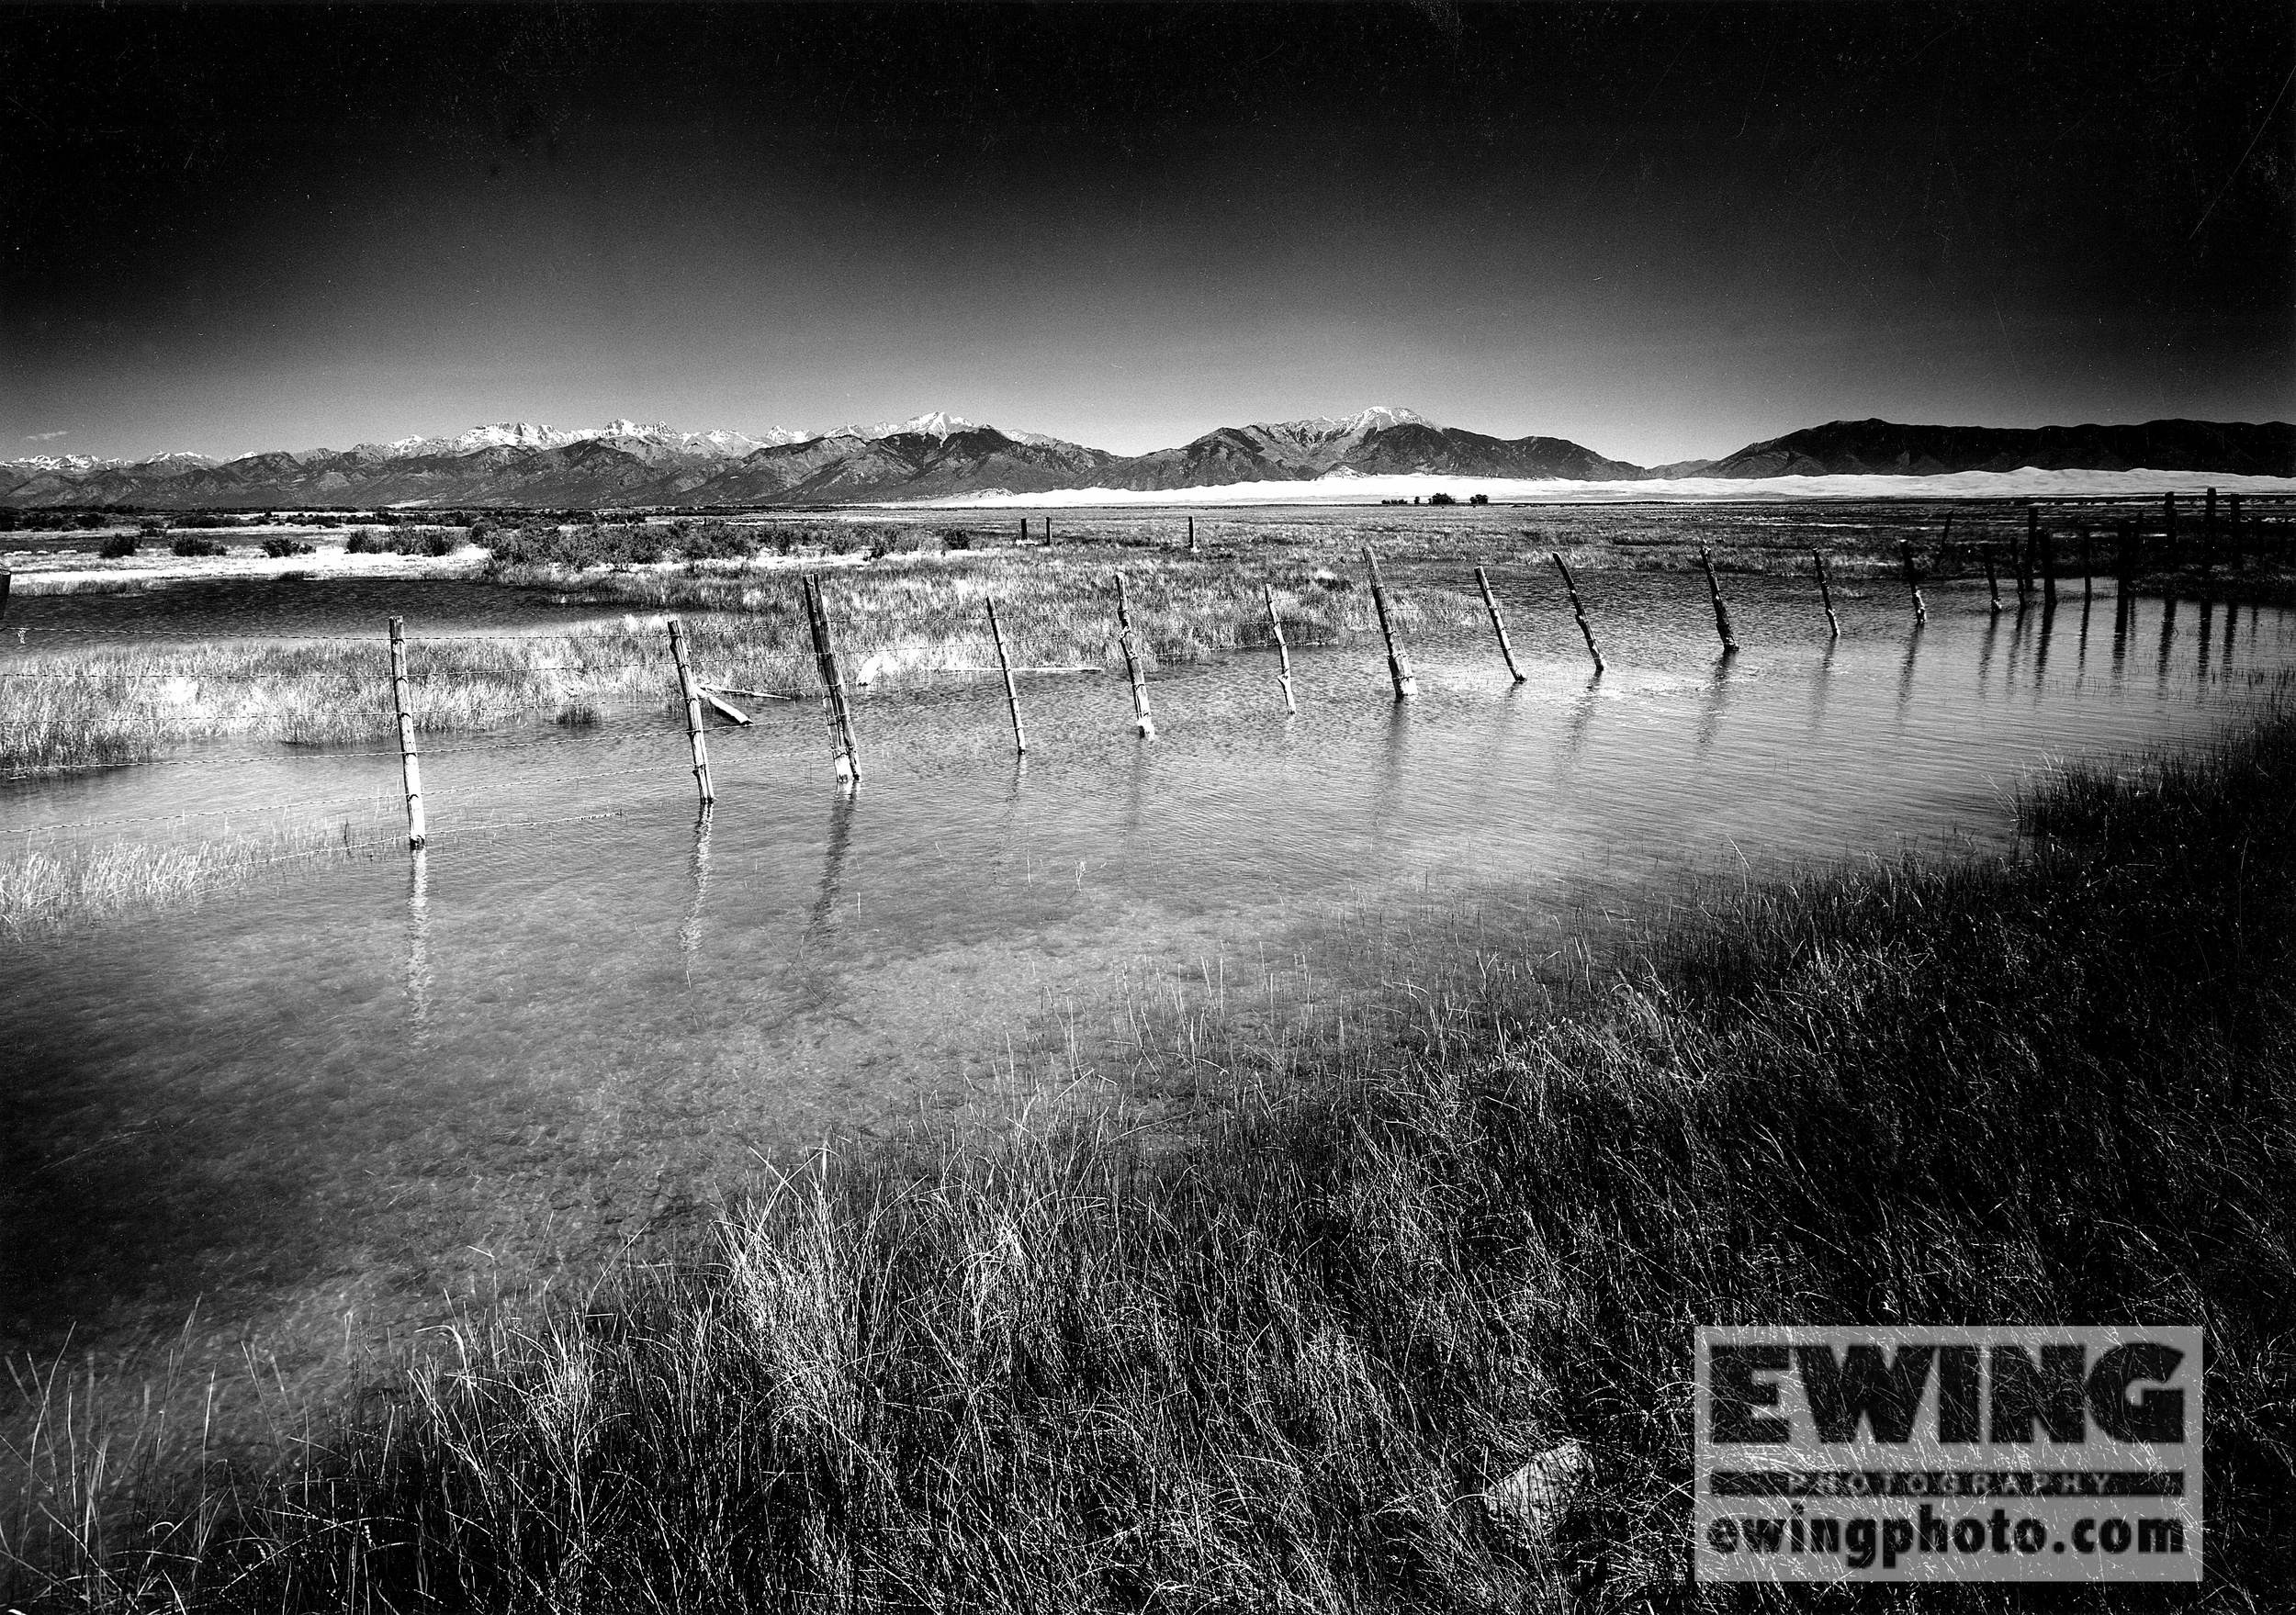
x=714, y=541
x=198, y=547
x=905, y=541
x=120, y=544
x=406, y=540
x=279, y=549
x=544, y=544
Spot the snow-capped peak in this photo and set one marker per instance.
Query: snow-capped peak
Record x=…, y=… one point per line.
x=1362, y=423
x=522, y=435
x=516, y=434
x=1319, y=444
x=62, y=463
x=1380, y=417
x=934, y=423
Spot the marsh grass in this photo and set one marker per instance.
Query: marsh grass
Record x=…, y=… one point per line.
x=916, y=613
x=97, y=707
x=908, y=614
x=1271, y=1365
x=88, y=1457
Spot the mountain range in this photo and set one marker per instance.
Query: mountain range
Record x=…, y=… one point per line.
x=938, y=455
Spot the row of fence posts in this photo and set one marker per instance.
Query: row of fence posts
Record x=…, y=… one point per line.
x=2033, y=561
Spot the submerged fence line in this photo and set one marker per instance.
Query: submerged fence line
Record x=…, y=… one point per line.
x=2035, y=558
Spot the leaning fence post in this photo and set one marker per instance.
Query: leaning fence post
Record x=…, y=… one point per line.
x=1398, y=662
x=847, y=756
x=1825, y=593
x=1012, y=695
x=1913, y=580
x=692, y=696
x=1721, y=611
x=1992, y=578
x=1577, y=610
x=2048, y=573
x=1498, y=624
x=1283, y=651
x=1147, y=725
x=411, y=771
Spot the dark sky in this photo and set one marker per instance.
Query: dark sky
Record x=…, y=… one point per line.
x=1660, y=230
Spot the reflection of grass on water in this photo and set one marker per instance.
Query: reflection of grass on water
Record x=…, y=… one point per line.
x=1282, y=1365
x=77, y=708
x=43, y=886
x=907, y=615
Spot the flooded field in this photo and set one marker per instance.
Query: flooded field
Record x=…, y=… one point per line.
x=316, y=1109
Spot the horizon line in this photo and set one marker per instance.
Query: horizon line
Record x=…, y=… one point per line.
x=857, y=429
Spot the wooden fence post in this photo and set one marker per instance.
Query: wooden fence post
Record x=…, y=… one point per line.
x=1913, y=580
x=2088, y=568
x=1140, y=718
x=1191, y=535
x=1721, y=611
x=692, y=695
x=1283, y=651
x=2048, y=574
x=2168, y=521
x=1498, y=625
x=2238, y=556
x=2208, y=536
x=1398, y=663
x=1992, y=578
x=1577, y=610
x=2025, y=555
x=1825, y=593
x=847, y=755
x=2124, y=559
x=410, y=770
x=1012, y=695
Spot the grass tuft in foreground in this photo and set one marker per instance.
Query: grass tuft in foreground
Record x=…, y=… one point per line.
x=1274, y=1369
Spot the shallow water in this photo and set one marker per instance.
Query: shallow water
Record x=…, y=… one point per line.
x=313, y=1107
x=225, y=609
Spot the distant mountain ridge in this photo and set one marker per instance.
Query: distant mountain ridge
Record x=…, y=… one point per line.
x=938, y=455
x=1889, y=449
